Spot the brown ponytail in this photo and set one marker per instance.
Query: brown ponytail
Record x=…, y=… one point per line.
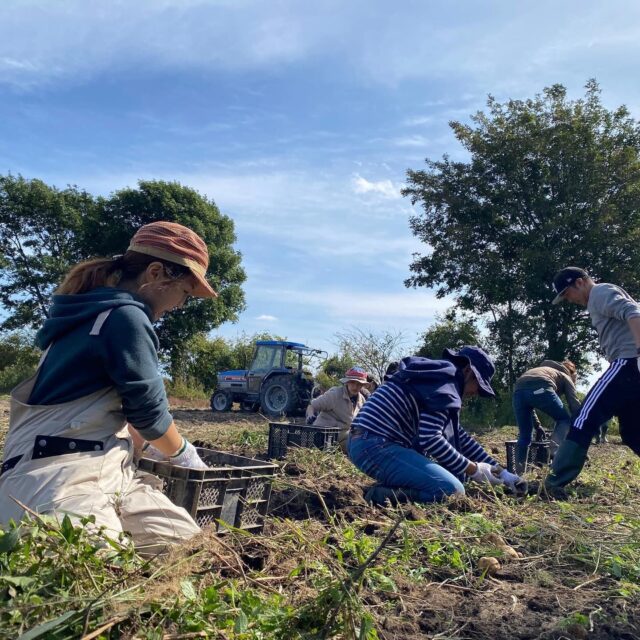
x=109, y=272
x=88, y=275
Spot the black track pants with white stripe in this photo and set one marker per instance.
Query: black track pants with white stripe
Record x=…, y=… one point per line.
x=616, y=393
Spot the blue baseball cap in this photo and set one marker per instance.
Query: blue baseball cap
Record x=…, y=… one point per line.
x=480, y=363
x=564, y=279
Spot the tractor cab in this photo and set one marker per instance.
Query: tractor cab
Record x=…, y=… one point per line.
x=276, y=381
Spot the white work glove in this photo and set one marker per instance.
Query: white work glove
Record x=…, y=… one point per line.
x=149, y=451
x=188, y=457
x=310, y=415
x=484, y=473
x=513, y=481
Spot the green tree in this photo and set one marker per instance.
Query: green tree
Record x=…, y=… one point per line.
x=448, y=331
x=548, y=182
x=43, y=231
x=119, y=216
x=203, y=358
x=40, y=236
x=18, y=358
x=333, y=369
x=337, y=365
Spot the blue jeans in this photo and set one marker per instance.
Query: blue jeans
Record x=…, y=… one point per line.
x=546, y=400
x=401, y=468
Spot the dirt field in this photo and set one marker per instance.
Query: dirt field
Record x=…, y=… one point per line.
x=569, y=569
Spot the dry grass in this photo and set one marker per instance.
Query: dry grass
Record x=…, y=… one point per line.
x=580, y=560
x=576, y=572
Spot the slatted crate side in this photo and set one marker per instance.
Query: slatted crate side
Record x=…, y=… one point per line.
x=283, y=435
x=234, y=489
x=539, y=454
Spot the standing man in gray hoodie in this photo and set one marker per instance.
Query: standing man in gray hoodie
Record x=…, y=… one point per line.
x=616, y=318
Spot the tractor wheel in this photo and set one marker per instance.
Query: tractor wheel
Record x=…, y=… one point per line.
x=279, y=396
x=221, y=400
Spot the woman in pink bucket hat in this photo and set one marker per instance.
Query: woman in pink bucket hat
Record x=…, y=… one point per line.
x=340, y=405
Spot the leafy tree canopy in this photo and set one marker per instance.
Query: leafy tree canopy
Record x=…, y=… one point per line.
x=548, y=182
x=44, y=231
x=203, y=357
x=18, y=358
x=448, y=331
x=41, y=230
x=332, y=370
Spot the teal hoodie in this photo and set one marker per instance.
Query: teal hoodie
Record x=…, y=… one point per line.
x=124, y=355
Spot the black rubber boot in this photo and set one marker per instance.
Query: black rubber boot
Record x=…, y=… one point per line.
x=560, y=432
x=567, y=464
x=522, y=455
x=558, y=436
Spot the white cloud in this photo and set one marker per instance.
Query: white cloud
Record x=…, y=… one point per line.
x=347, y=306
x=333, y=216
x=508, y=45
x=411, y=141
x=266, y=317
x=41, y=40
x=384, y=188
x=13, y=64
x=417, y=121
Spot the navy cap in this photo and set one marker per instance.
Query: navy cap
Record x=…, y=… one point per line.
x=564, y=279
x=480, y=363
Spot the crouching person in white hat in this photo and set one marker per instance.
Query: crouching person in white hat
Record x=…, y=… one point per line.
x=69, y=449
x=340, y=405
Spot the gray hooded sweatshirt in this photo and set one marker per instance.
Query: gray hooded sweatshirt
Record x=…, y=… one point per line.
x=610, y=308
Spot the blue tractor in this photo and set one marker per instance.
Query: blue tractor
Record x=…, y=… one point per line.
x=276, y=382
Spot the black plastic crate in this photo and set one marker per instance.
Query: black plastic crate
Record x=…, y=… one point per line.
x=283, y=435
x=235, y=489
x=539, y=454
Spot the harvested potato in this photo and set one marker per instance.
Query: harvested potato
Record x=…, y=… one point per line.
x=507, y=550
x=489, y=565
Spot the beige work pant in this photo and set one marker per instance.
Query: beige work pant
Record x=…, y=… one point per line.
x=102, y=484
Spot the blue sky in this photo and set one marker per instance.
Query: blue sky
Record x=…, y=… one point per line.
x=299, y=119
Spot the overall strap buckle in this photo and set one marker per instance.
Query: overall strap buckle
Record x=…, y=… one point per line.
x=48, y=446
x=7, y=465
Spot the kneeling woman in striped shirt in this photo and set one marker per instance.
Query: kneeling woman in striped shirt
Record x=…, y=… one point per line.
x=407, y=436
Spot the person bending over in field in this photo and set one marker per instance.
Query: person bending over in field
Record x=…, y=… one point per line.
x=540, y=388
x=70, y=446
x=408, y=437
x=338, y=406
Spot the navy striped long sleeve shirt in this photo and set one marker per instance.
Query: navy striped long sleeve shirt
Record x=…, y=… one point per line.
x=394, y=414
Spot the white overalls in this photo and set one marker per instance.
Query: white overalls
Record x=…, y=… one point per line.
x=96, y=478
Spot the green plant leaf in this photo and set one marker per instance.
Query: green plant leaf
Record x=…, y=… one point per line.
x=242, y=622
x=18, y=581
x=67, y=529
x=46, y=627
x=188, y=590
x=367, y=630
x=9, y=541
